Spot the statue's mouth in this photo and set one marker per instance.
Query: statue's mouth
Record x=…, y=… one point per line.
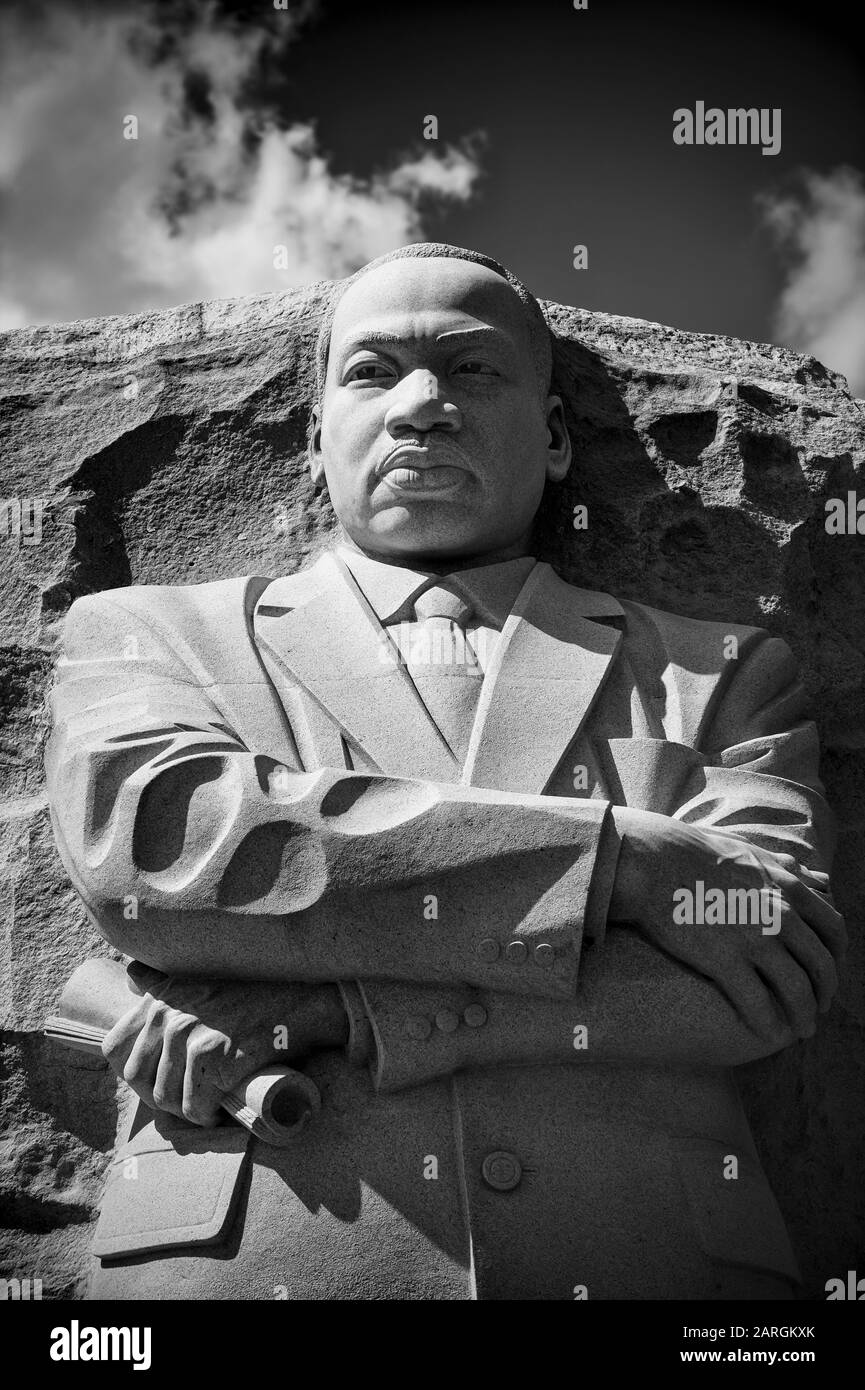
x=418, y=467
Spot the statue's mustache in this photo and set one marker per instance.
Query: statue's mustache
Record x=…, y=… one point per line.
x=422, y=452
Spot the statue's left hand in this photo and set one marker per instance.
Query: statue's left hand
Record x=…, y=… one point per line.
x=781, y=970
x=185, y=1044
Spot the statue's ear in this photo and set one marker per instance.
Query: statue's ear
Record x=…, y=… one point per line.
x=559, y=450
x=313, y=450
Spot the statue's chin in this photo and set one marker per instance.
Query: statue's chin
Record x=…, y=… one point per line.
x=403, y=531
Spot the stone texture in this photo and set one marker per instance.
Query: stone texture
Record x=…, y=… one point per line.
x=169, y=448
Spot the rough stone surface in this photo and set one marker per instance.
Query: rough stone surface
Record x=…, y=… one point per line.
x=168, y=448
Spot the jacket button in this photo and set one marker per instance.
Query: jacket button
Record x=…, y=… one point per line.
x=488, y=949
x=475, y=1015
x=501, y=1170
x=516, y=951
x=544, y=954
x=418, y=1027
x=447, y=1021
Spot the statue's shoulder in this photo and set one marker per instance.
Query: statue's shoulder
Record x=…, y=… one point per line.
x=214, y=597
x=207, y=628
x=657, y=628
x=677, y=627
x=217, y=615
x=703, y=644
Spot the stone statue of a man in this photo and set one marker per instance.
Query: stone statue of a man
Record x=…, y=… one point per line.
x=516, y=872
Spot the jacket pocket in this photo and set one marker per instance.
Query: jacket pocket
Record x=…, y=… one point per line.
x=737, y=1220
x=171, y=1184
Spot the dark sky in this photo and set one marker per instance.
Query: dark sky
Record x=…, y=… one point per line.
x=577, y=107
x=259, y=127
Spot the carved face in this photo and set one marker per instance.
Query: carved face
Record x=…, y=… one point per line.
x=432, y=433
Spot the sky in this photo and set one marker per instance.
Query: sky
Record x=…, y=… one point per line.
x=277, y=146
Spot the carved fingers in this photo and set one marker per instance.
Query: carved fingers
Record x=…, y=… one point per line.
x=752, y=920
x=185, y=1057
x=172, y=1061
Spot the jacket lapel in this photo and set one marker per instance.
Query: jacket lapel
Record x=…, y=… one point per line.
x=549, y=665
x=334, y=647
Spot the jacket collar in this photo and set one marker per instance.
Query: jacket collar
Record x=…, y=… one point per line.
x=490, y=589
x=551, y=660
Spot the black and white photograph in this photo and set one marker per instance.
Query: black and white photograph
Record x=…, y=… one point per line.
x=432, y=673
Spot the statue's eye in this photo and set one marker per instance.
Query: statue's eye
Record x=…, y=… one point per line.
x=474, y=366
x=368, y=371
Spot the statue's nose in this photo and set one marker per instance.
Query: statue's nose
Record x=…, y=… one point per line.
x=419, y=403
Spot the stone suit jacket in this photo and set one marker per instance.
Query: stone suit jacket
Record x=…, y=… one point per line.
x=244, y=784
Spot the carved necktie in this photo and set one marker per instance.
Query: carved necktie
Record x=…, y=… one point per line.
x=443, y=665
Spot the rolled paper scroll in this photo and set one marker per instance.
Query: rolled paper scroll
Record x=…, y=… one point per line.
x=276, y=1104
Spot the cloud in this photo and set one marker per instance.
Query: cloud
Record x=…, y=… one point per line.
x=197, y=206
x=821, y=229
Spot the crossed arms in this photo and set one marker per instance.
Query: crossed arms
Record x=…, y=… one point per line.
x=204, y=855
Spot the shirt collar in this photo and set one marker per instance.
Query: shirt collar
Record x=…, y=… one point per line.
x=491, y=589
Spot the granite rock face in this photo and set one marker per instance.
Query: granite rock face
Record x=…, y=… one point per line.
x=169, y=448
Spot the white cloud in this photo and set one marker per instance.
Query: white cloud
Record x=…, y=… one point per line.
x=822, y=306
x=12, y=314
x=95, y=223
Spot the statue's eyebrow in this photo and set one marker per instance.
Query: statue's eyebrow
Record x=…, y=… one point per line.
x=482, y=331
x=451, y=336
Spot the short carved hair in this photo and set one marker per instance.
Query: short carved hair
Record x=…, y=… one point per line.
x=539, y=333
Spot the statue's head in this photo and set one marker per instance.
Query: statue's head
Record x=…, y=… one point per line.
x=434, y=427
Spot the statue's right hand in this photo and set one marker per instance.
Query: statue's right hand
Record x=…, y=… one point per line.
x=188, y=1044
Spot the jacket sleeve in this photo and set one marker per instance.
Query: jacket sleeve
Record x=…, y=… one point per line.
x=633, y=1004
x=201, y=855
x=755, y=777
